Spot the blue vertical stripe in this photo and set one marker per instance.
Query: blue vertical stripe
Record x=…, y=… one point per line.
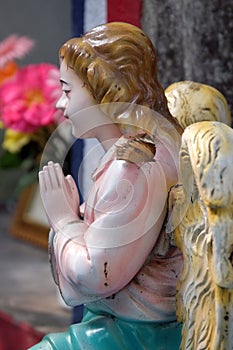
x=78, y=146
x=77, y=17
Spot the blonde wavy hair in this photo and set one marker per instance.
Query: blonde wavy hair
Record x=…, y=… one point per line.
x=117, y=63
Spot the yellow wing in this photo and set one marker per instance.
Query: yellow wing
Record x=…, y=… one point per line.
x=190, y=102
x=202, y=216
x=205, y=236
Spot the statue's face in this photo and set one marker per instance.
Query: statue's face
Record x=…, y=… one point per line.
x=75, y=103
x=75, y=96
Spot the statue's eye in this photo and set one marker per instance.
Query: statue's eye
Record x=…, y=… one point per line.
x=66, y=92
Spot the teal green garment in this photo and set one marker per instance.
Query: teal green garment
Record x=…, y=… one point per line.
x=106, y=332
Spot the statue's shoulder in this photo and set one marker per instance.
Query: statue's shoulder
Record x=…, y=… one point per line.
x=138, y=149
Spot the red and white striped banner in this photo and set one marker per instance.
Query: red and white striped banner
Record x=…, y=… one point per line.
x=102, y=11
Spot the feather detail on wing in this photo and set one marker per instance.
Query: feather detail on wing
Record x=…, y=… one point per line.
x=190, y=102
x=205, y=236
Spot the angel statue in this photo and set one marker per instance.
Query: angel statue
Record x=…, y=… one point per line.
x=117, y=253
x=204, y=232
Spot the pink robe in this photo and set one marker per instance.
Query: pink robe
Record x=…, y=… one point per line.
x=118, y=259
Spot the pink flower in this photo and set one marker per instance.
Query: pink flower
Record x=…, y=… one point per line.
x=27, y=101
x=14, y=47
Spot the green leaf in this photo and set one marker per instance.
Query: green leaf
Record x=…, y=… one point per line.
x=10, y=160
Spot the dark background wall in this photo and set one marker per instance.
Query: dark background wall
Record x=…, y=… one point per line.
x=48, y=22
x=194, y=41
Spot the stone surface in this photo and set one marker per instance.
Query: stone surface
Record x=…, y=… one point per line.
x=193, y=40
